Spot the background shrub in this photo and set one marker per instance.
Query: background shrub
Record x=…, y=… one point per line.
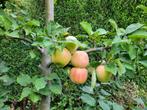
x=70, y=13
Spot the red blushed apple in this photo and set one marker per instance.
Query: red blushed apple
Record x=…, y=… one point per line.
x=102, y=74
x=61, y=57
x=80, y=59
x=78, y=75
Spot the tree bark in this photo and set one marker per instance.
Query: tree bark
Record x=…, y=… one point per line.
x=45, y=103
x=49, y=5
x=46, y=60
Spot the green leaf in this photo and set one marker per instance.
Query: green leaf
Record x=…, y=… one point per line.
x=32, y=54
x=39, y=83
x=45, y=91
x=2, y=32
x=33, y=23
x=129, y=66
x=55, y=1
x=3, y=67
x=101, y=97
x=121, y=67
x=117, y=39
x=56, y=89
x=1, y=103
x=53, y=76
x=27, y=30
x=5, y=21
x=139, y=34
x=6, y=107
x=87, y=27
x=23, y=79
x=144, y=63
x=114, y=25
x=71, y=45
x=87, y=89
x=34, y=97
x=105, y=93
x=145, y=53
x=88, y=99
x=133, y=27
x=144, y=8
x=117, y=106
x=112, y=68
x=101, y=31
x=54, y=29
x=139, y=101
x=15, y=26
x=4, y=92
x=120, y=32
x=6, y=80
x=14, y=34
x=45, y=44
x=93, y=79
x=104, y=105
x=25, y=93
x=132, y=52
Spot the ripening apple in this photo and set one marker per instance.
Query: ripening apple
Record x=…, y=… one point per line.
x=102, y=74
x=78, y=75
x=61, y=57
x=71, y=38
x=71, y=43
x=80, y=59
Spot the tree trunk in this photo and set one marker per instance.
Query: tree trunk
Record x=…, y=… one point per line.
x=46, y=60
x=45, y=103
x=49, y=5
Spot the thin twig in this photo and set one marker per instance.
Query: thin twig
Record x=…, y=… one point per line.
x=96, y=49
x=21, y=38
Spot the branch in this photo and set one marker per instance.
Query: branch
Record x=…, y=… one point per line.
x=20, y=38
x=24, y=39
x=97, y=49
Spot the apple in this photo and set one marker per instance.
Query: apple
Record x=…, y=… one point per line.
x=72, y=43
x=71, y=38
x=102, y=74
x=80, y=59
x=78, y=75
x=61, y=57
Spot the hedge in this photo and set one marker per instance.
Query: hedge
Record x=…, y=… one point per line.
x=70, y=13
